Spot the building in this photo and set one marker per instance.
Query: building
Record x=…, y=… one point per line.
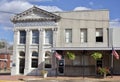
x=38, y=34
x=5, y=59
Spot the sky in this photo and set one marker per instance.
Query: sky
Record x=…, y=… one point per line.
x=9, y=8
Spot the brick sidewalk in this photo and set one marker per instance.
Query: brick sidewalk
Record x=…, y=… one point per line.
x=21, y=78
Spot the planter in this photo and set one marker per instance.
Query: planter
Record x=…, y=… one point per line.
x=45, y=75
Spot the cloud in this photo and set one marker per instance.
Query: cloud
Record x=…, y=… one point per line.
x=115, y=23
x=18, y=6
x=34, y=0
x=50, y=8
x=81, y=8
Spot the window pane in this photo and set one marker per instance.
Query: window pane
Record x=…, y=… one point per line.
x=35, y=36
x=34, y=63
x=22, y=37
x=22, y=53
x=47, y=62
x=48, y=36
x=99, y=35
x=83, y=36
x=68, y=35
x=35, y=54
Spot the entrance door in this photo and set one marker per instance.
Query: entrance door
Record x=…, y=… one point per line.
x=61, y=67
x=99, y=64
x=21, y=65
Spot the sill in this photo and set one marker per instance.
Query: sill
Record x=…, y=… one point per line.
x=99, y=42
x=47, y=44
x=34, y=44
x=21, y=44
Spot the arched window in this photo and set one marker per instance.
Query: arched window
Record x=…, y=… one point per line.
x=34, y=63
x=48, y=59
x=22, y=54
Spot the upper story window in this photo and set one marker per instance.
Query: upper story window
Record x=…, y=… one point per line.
x=48, y=36
x=34, y=63
x=35, y=36
x=99, y=35
x=22, y=37
x=83, y=35
x=68, y=35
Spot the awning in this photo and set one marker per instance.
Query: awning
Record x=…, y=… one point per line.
x=85, y=48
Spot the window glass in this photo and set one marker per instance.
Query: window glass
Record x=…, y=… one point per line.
x=48, y=59
x=35, y=36
x=99, y=35
x=83, y=35
x=48, y=36
x=68, y=35
x=22, y=37
x=34, y=63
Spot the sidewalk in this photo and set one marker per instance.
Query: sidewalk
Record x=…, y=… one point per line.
x=8, y=78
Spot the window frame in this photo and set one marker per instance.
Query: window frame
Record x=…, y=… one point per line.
x=22, y=37
x=68, y=35
x=34, y=57
x=35, y=37
x=49, y=57
x=48, y=36
x=84, y=37
x=99, y=35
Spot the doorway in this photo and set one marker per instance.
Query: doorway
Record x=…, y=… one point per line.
x=21, y=65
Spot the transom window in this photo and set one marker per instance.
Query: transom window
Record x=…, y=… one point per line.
x=22, y=54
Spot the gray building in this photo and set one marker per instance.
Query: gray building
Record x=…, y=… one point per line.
x=38, y=34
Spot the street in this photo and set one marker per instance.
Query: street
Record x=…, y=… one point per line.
x=80, y=80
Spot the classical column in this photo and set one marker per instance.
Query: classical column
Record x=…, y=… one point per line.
x=27, y=53
x=41, y=40
x=15, y=57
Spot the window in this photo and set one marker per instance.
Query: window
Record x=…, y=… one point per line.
x=83, y=35
x=68, y=35
x=22, y=37
x=48, y=36
x=22, y=53
x=34, y=63
x=48, y=61
x=35, y=36
x=79, y=60
x=99, y=35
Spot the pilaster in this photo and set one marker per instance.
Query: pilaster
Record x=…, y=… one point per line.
x=15, y=57
x=41, y=40
x=54, y=36
x=27, y=53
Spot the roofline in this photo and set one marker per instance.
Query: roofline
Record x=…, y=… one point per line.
x=82, y=11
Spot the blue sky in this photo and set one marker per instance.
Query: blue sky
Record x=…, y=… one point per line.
x=17, y=6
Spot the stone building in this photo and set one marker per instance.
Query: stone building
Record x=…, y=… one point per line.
x=39, y=33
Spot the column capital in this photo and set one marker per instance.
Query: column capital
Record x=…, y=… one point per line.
x=55, y=29
x=15, y=30
x=41, y=29
x=27, y=30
